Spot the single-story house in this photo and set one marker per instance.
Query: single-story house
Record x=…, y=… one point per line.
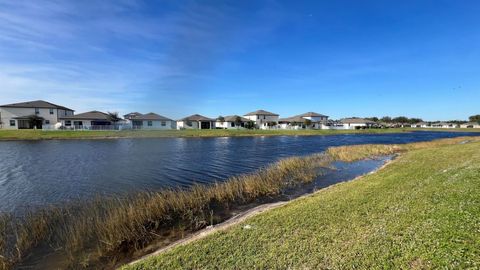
x=37, y=114
x=93, y=120
x=263, y=119
x=470, y=125
x=306, y=120
x=357, y=123
x=420, y=125
x=443, y=125
x=151, y=121
x=294, y=122
x=196, y=121
x=231, y=121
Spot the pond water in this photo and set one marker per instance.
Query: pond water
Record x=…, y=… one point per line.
x=38, y=173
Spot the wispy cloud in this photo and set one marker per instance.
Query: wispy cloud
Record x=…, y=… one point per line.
x=115, y=54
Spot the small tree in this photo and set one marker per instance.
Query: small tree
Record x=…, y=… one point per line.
x=307, y=122
x=386, y=119
x=221, y=119
x=34, y=120
x=238, y=121
x=475, y=118
x=250, y=125
x=114, y=117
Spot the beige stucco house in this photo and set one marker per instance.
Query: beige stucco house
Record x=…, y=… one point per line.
x=196, y=121
x=36, y=114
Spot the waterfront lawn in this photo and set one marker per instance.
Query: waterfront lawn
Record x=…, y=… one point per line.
x=421, y=211
x=68, y=134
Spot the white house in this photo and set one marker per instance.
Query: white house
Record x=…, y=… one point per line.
x=37, y=114
x=196, y=121
x=231, y=122
x=420, y=125
x=356, y=123
x=443, y=125
x=93, y=120
x=302, y=121
x=470, y=125
x=263, y=119
x=150, y=121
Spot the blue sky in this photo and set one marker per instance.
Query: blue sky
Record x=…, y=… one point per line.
x=340, y=58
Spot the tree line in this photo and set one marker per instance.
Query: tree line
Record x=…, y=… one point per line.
x=404, y=119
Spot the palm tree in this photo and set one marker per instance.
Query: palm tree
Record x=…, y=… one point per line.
x=114, y=118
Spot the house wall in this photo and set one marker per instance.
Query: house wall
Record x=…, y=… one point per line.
x=470, y=125
x=316, y=118
x=156, y=125
x=50, y=120
x=227, y=125
x=183, y=125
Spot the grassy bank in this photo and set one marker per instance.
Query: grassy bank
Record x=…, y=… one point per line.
x=48, y=135
x=420, y=212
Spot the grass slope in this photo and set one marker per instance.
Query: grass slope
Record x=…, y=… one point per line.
x=421, y=211
x=45, y=135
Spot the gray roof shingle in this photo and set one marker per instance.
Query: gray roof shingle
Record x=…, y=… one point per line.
x=36, y=104
x=261, y=112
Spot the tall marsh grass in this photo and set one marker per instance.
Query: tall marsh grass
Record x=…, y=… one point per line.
x=106, y=229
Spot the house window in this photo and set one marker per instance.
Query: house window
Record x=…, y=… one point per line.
x=164, y=123
x=12, y=123
x=264, y=117
x=37, y=111
x=47, y=122
x=51, y=111
x=68, y=123
x=150, y=123
x=232, y=124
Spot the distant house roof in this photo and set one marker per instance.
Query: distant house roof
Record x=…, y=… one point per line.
x=36, y=104
x=151, y=117
x=131, y=115
x=233, y=118
x=355, y=120
x=261, y=112
x=472, y=124
x=196, y=117
x=312, y=114
x=293, y=119
x=93, y=115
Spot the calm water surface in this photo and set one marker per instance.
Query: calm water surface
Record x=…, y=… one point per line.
x=37, y=173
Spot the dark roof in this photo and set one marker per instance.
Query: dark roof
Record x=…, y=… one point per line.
x=293, y=119
x=93, y=115
x=312, y=114
x=233, y=118
x=261, y=112
x=36, y=104
x=196, y=117
x=356, y=121
x=151, y=116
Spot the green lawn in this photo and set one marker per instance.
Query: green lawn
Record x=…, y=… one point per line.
x=38, y=134
x=421, y=211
